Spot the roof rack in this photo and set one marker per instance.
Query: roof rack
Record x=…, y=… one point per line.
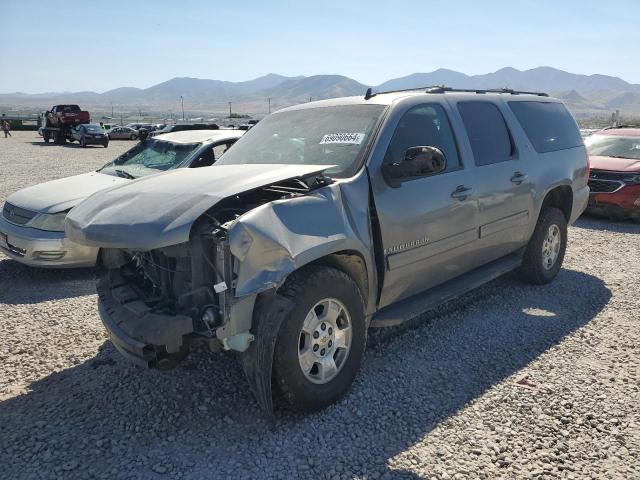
x=444, y=89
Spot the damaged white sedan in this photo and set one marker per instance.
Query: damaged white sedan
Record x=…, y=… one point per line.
x=32, y=221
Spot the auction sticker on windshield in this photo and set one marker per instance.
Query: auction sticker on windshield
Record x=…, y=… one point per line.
x=349, y=138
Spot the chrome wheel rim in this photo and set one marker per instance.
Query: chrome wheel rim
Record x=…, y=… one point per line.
x=325, y=341
x=551, y=247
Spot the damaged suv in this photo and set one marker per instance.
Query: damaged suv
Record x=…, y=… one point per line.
x=331, y=217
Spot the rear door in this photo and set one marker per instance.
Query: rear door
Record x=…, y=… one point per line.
x=503, y=186
x=428, y=224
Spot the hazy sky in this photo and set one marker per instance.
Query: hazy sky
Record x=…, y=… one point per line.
x=98, y=45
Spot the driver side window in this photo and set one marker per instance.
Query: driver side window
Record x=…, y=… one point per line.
x=424, y=125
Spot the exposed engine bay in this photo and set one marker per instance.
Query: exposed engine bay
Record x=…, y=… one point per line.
x=186, y=290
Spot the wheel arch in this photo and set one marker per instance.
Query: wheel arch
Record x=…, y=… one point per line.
x=350, y=262
x=560, y=197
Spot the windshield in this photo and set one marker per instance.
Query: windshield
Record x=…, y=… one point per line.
x=312, y=136
x=93, y=128
x=613, y=146
x=150, y=157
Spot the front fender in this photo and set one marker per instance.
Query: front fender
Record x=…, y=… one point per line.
x=277, y=238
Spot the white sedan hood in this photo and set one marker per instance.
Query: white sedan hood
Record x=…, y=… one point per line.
x=62, y=194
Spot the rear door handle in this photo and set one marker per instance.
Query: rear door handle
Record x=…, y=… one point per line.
x=519, y=177
x=461, y=192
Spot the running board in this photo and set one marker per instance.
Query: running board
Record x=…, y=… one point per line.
x=416, y=305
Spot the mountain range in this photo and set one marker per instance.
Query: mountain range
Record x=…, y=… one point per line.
x=585, y=95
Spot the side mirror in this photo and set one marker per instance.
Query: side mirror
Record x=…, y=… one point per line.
x=422, y=161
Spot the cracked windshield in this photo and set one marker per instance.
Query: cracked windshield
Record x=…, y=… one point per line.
x=150, y=157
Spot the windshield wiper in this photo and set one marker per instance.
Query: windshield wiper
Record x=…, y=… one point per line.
x=123, y=174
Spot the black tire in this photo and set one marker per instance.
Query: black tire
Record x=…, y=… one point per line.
x=306, y=288
x=83, y=143
x=105, y=144
x=532, y=269
x=133, y=137
x=45, y=135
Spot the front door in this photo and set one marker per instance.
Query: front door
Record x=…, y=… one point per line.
x=428, y=224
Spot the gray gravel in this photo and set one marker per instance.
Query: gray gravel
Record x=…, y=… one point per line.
x=509, y=381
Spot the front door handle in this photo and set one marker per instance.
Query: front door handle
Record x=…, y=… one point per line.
x=461, y=192
x=519, y=177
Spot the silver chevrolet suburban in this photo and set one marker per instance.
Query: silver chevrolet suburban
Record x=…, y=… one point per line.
x=329, y=218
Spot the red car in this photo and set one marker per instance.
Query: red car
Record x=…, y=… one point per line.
x=614, y=155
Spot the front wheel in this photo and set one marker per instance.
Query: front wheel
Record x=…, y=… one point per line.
x=321, y=342
x=105, y=144
x=545, y=252
x=83, y=142
x=133, y=137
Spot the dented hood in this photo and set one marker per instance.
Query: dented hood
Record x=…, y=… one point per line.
x=159, y=210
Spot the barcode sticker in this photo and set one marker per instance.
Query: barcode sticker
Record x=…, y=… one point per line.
x=349, y=138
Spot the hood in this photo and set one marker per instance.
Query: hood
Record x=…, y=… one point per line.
x=62, y=194
x=158, y=211
x=614, y=164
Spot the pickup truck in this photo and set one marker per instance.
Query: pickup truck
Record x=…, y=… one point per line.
x=58, y=122
x=330, y=218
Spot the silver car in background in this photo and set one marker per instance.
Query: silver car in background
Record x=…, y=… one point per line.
x=32, y=221
x=122, y=133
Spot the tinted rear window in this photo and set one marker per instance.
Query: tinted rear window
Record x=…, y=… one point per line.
x=549, y=126
x=487, y=131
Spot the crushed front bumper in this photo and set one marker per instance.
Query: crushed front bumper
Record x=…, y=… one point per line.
x=146, y=338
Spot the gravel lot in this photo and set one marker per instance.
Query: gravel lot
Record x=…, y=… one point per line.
x=510, y=381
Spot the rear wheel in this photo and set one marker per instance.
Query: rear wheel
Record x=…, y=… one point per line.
x=45, y=135
x=83, y=142
x=321, y=342
x=545, y=252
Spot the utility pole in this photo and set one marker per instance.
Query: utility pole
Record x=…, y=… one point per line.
x=182, y=104
x=229, y=109
x=269, y=105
